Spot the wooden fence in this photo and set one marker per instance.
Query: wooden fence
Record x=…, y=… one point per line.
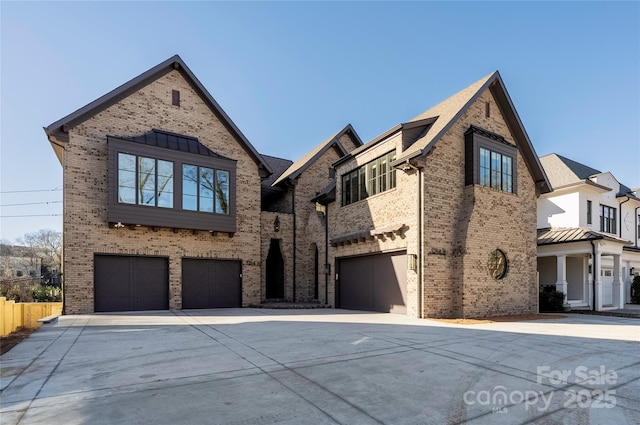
x=15, y=315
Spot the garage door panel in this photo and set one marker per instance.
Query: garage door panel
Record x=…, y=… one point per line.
x=130, y=283
x=227, y=291
x=195, y=286
x=374, y=282
x=390, y=284
x=210, y=283
x=151, y=291
x=355, y=291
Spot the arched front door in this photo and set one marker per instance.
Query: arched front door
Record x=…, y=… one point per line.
x=275, y=271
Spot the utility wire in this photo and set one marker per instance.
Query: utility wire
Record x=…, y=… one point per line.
x=31, y=203
x=55, y=189
x=31, y=215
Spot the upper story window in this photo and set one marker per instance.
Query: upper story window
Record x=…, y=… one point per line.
x=589, y=205
x=490, y=160
x=145, y=181
x=607, y=219
x=164, y=180
x=496, y=170
x=374, y=177
x=205, y=189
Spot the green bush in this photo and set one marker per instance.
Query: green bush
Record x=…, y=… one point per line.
x=47, y=293
x=550, y=299
x=635, y=290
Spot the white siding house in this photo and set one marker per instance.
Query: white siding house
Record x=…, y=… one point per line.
x=588, y=235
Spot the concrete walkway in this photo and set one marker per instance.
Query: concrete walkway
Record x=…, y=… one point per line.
x=322, y=366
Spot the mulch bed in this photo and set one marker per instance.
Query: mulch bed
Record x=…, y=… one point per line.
x=495, y=319
x=13, y=339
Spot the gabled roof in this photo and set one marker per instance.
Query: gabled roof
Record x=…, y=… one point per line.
x=306, y=161
x=563, y=171
x=278, y=165
x=550, y=236
x=58, y=131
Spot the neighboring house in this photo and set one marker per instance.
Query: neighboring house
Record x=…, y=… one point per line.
x=168, y=206
x=588, y=235
x=17, y=267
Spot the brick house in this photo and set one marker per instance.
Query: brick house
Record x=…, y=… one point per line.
x=167, y=205
x=444, y=206
x=588, y=235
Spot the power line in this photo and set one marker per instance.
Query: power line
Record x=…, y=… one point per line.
x=55, y=189
x=30, y=215
x=31, y=203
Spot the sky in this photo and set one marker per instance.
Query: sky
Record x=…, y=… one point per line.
x=290, y=74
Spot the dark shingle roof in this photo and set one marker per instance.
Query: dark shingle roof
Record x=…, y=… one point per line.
x=278, y=165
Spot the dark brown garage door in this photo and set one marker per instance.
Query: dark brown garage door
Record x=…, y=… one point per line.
x=210, y=283
x=129, y=283
x=374, y=282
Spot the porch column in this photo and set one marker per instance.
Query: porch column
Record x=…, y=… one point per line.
x=598, y=279
x=618, y=286
x=561, y=274
x=588, y=288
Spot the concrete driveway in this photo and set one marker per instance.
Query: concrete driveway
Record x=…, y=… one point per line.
x=259, y=366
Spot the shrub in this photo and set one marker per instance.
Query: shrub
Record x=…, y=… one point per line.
x=47, y=293
x=635, y=290
x=550, y=299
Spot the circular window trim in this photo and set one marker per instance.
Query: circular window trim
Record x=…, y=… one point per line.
x=498, y=264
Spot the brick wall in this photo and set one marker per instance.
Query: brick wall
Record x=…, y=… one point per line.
x=391, y=208
x=310, y=227
x=467, y=223
x=85, y=194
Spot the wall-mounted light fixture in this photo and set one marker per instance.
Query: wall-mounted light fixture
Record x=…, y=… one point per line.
x=276, y=224
x=632, y=269
x=321, y=210
x=413, y=262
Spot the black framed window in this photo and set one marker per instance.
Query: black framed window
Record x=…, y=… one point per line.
x=496, y=170
x=205, y=189
x=170, y=186
x=145, y=181
x=490, y=161
x=607, y=219
x=589, y=206
x=374, y=177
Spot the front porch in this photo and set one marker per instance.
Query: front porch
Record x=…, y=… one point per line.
x=586, y=266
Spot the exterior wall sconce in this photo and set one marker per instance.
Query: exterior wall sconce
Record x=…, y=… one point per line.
x=632, y=270
x=276, y=224
x=321, y=210
x=413, y=262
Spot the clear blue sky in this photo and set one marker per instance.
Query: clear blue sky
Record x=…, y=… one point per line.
x=291, y=74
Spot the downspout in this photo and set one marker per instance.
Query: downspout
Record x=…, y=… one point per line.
x=620, y=222
x=420, y=250
x=593, y=275
x=637, y=224
x=326, y=254
x=295, y=246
